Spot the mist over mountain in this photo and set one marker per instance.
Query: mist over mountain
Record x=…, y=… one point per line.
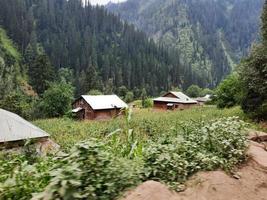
x=211, y=36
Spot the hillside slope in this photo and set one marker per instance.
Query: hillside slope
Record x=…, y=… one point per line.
x=103, y=52
x=11, y=75
x=211, y=36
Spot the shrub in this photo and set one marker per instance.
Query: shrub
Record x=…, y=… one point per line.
x=198, y=147
x=57, y=99
x=229, y=93
x=194, y=91
x=19, y=179
x=90, y=172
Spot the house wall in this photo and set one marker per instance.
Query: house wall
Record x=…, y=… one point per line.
x=177, y=106
x=89, y=114
x=106, y=114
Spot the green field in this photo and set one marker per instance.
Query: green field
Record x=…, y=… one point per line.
x=105, y=158
x=146, y=124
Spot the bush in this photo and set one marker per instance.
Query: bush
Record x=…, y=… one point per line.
x=19, y=179
x=194, y=91
x=95, y=92
x=56, y=100
x=90, y=172
x=230, y=92
x=129, y=97
x=19, y=103
x=198, y=147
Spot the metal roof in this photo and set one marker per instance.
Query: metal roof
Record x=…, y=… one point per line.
x=15, y=128
x=175, y=100
x=201, y=99
x=180, y=98
x=102, y=102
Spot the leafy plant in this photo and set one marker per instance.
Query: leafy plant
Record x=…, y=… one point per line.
x=200, y=146
x=90, y=172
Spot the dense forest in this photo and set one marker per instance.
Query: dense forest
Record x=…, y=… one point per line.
x=211, y=36
x=103, y=52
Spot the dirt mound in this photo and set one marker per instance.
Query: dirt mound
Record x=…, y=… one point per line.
x=150, y=190
x=249, y=183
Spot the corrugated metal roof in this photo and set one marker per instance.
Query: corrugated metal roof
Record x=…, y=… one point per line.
x=201, y=99
x=181, y=96
x=101, y=102
x=174, y=100
x=15, y=128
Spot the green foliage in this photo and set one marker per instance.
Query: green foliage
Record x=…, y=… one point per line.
x=104, y=52
x=147, y=103
x=129, y=97
x=41, y=73
x=95, y=92
x=168, y=148
x=199, y=146
x=230, y=92
x=11, y=73
x=66, y=75
x=19, y=179
x=264, y=24
x=209, y=45
x=90, y=172
x=253, y=75
x=56, y=100
x=194, y=91
x=19, y=103
x=206, y=91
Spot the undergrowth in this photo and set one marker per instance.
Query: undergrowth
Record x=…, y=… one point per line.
x=110, y=157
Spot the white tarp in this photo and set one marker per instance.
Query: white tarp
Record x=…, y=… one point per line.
x=15, y=128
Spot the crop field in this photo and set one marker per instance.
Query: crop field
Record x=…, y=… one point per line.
x=146, y=124
x=103, y=159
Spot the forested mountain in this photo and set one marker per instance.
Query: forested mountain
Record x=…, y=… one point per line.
x=210, y=35
x=103, y=52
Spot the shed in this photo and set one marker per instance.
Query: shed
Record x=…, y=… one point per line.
x=173, y=101
x=99, y=107
x=14, y=130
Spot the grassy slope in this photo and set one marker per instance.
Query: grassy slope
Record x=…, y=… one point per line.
x=8, y=45
x=146, y=124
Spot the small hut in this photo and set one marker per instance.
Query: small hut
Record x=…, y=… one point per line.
x=14, y=130
x=99, y=107
x=173, y=101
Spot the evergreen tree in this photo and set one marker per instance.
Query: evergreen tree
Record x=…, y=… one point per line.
x=41, y=73
x=253, y=73
x=264, y=24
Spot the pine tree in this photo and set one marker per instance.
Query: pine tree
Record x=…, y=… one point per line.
x=41, y=73
x=264, y=24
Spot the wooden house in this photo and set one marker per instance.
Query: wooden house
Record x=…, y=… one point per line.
x=14, y=131
x=173, y=101
x=99, y=107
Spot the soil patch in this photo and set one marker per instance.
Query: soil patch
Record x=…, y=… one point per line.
x=249, y=183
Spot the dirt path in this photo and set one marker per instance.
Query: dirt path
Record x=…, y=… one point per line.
x=249, y=184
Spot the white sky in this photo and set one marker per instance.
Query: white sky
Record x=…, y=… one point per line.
x=104, y=2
